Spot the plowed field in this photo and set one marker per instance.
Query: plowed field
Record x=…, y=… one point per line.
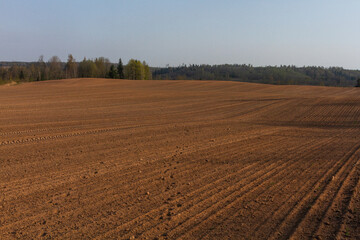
x=117, y=159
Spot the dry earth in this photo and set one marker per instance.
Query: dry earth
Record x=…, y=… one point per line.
x=116, y=159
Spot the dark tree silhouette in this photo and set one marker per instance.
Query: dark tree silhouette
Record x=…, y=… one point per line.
x=120, y=69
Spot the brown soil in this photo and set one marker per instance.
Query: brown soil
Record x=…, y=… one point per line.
x=116, y=159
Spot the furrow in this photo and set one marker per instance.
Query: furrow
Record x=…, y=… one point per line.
x=278, y=171
x=350, y=227
x=289, y=224
x=207, y=192
x=315, y=214
x=230, y=190
x=127, y=166
x=147, y=177
x=335, y=213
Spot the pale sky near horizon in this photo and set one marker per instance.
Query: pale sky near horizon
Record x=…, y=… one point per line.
x=259, y=32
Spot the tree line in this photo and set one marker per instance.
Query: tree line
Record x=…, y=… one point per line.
x=88, y=68
x=102, y=68
x=333, y=76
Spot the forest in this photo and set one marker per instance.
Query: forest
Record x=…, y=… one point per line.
x=284, y=75
x=88, y=68
x=139, y=70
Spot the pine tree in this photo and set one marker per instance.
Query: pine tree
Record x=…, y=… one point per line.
x=120, y=69
x=113, y=72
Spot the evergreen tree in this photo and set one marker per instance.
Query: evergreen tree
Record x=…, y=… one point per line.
x=120, y=70
x=113, y=72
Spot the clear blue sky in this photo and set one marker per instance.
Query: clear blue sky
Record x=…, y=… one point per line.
x=258, y=32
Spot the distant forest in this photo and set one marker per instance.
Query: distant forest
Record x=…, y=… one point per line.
x=333, y=76
x=102, y=68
